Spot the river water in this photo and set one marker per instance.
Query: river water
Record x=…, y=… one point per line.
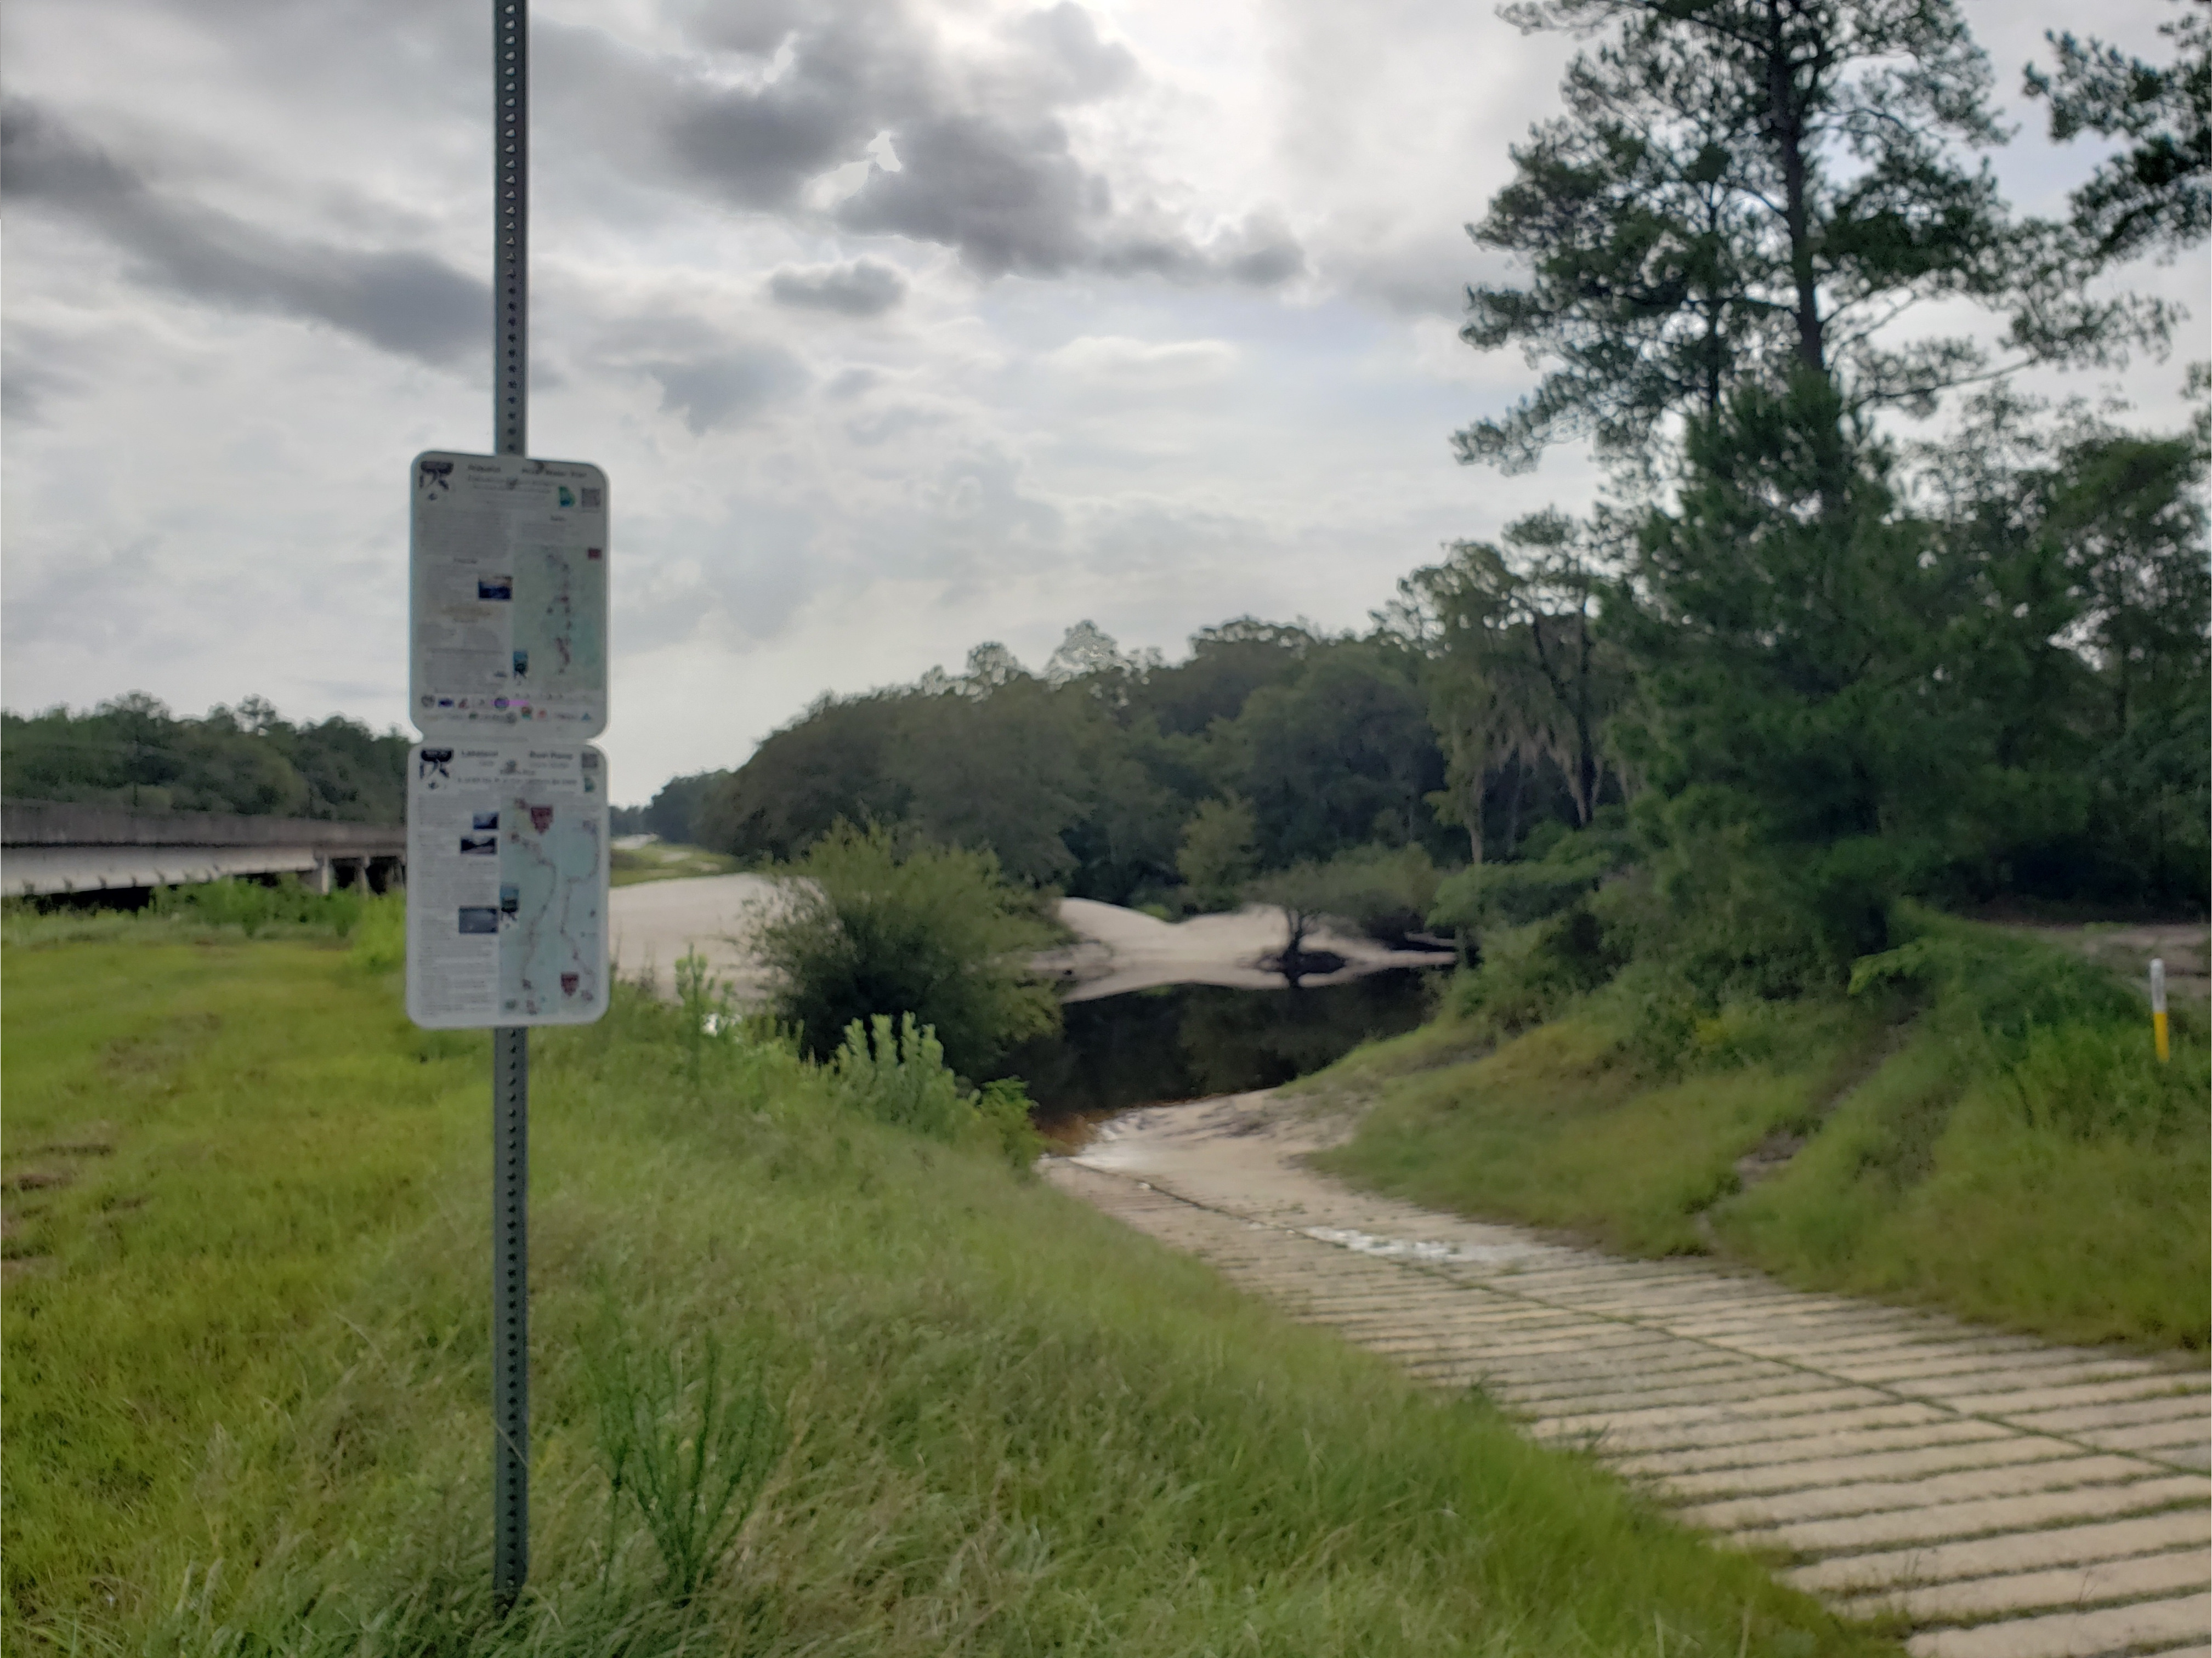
x=1185, y=1041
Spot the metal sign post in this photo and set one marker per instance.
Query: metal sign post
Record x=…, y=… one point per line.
x=510, y=1044
x=507, y=799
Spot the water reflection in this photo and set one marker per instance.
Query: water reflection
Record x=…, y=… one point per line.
x=1184, y=1041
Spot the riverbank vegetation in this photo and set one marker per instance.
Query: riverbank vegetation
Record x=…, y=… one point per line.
x=132, y=753
x=1976, y=1122
x=246, y=1366
x=1844, y=679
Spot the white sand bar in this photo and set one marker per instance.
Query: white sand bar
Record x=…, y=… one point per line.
x=657, y=923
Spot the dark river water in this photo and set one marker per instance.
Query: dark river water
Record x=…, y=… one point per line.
x=1184, y=1041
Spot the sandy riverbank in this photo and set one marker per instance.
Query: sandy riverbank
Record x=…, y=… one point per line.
x=656, y=923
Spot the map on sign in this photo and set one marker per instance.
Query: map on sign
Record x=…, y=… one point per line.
x=508, y=574
x=507, y=899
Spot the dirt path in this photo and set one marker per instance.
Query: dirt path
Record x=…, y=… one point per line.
x=2008, y=1498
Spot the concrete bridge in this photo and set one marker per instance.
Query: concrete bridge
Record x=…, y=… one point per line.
x=47, y=848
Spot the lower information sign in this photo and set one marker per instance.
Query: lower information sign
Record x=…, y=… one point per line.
x=507, y=884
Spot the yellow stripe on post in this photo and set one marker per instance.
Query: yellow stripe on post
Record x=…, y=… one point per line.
x=2158, y=1008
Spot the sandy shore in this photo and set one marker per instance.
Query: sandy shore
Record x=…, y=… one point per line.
x=656, y=923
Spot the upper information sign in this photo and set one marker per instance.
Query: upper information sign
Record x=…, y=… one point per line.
x=508, y=568
x=506, y=883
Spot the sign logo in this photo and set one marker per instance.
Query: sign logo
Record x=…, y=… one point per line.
x=541, y=818
x=568, y=983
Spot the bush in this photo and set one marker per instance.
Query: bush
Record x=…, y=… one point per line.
x=1528, y=974
x=898, y=1076
x=1219, y=851
x=380, y=935
x=1496, y=895
x=253, y=908
x=864, y=930
x=1386, y=892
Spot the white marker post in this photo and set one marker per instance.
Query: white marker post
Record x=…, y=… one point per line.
x=2158, y=1008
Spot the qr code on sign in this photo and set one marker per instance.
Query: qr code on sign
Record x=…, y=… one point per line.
x=591, y=496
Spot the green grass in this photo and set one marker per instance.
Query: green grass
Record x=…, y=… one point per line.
x=665, y=860
x=1564, y=1127
x=246, y=1369
x=1984, y=1129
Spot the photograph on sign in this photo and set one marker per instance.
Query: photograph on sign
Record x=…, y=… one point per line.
x=506, y=883
x=508, y=583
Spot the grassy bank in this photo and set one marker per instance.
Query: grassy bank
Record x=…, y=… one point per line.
x=664, y=860
x=1982, y=1126
x=246, y=1367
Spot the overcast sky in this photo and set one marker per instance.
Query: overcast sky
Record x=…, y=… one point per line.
x=899, y=325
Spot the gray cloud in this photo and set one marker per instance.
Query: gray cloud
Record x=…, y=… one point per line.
x=863, y=288
x=34, y=366
x=401, y=301
x=1011, y=201
x=984, y=164
x=725, y=387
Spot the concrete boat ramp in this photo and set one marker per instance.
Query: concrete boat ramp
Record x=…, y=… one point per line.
x=2004, y=1496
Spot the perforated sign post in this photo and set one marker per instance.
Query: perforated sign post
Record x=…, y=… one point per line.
x=506, y=803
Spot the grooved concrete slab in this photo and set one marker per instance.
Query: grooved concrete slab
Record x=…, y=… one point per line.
x=2140, y=1576
x=2010, y=1498
x=2072, y=1634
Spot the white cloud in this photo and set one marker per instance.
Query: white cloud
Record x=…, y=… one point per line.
x=899, y=325
x=1118, y=361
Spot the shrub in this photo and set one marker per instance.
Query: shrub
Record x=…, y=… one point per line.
x=380, y=935
x=864, y=930
x=1219, y=851
x=1495, y=896
x=1529, y=973
x=897, y=1075
x=253, y=908
x=1386, y=892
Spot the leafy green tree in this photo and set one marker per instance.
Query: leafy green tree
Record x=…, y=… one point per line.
x=2078, y=649
x=1517, y=668
x=133, y=752
x=1227, y=663
x=1340, y=755
x=1219, y=851
x=678, y=811
x=1302, y=893
x=865, y=928
x=999, y=766
x=1744, y=189
x=832, y=763
x=1782, y=619
x=2156, y=194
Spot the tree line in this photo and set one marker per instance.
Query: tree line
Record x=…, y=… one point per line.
x=1965, y=660
x=132, y=752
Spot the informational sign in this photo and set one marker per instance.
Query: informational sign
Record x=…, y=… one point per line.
x=508, y=617
x=507, y=883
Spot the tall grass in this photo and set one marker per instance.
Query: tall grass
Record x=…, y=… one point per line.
x=2026, y=1159
x=247, y=1366
x=250, y=909
x=1984, y=1127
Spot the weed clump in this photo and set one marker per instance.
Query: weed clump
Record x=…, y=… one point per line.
x=897, y=1075
x=690, y=1441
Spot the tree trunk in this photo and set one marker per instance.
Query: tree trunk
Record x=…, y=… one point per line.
x=1785, y=121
